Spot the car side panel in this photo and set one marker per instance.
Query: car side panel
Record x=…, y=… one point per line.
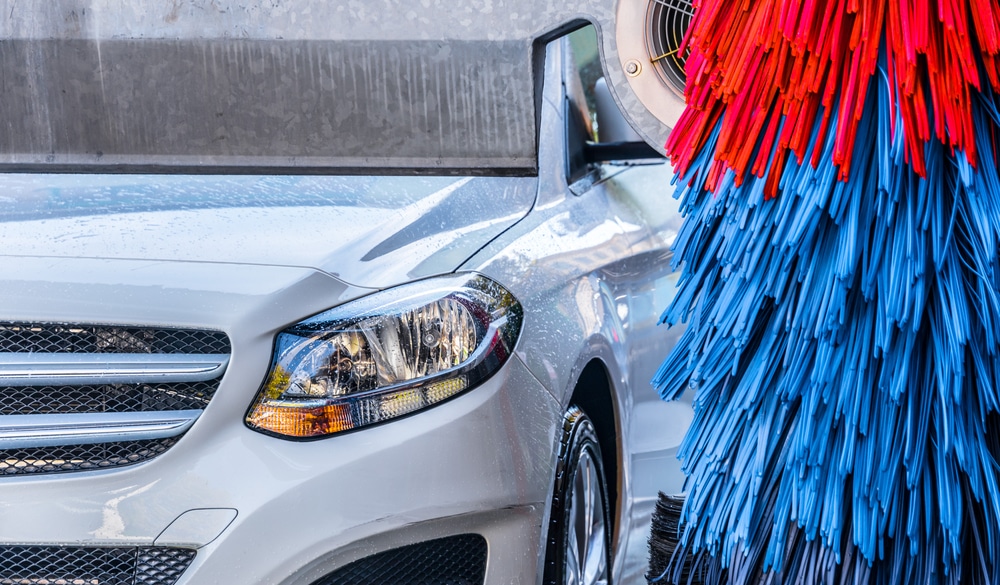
x=593, y=272
x=654, y=427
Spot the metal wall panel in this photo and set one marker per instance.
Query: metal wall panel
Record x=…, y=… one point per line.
x=272, y=85
x=251, y=103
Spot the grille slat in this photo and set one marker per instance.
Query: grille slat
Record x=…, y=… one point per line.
x=50, y=565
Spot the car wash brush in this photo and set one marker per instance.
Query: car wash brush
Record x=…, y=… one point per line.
x=837, y=170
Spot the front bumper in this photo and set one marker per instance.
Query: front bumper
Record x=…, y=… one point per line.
x=478, y=464
x=277, y=512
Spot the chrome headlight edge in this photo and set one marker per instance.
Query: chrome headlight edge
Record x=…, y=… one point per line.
x=385, y=356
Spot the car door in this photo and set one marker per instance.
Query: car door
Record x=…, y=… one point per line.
x=641, y=285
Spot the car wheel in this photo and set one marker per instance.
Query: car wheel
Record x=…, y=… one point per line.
x=578, y=549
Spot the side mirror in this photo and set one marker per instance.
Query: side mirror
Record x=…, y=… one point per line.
x=611, y=123
x=618, y=142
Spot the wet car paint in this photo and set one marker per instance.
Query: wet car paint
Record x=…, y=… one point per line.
x=589, y=262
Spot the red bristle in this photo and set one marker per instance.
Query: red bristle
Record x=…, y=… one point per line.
x=774, y=177
x=761, y=61
x=787, y=7
x=820, y=138
x=803, y=130
x=805, y=28
x=969, y=132
x=891, y=36
x=764, y=154
x=715, y=175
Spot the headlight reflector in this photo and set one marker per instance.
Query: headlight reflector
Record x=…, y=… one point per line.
x=385, y=356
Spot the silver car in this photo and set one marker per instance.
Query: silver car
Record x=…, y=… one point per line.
x=329, y=379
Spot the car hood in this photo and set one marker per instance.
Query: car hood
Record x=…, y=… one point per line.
x=369, y=231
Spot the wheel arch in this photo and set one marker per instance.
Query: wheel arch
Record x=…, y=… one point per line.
x=594, y=394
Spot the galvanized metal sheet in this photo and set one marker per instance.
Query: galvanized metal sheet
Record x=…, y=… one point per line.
x=235, y=103
x=252, y=86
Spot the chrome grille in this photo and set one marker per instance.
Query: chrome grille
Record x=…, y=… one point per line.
x=63, y=338
x=51, y=565
x=80, y=397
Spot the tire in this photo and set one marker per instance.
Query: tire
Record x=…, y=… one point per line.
x=578, y=549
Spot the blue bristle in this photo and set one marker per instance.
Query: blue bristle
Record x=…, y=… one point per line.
x=842, y=346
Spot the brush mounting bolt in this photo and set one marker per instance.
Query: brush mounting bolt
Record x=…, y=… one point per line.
x=633, y=67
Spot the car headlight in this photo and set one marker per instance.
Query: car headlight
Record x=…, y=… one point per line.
x=385, y=356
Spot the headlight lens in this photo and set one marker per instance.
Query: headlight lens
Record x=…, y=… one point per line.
x=385, y=356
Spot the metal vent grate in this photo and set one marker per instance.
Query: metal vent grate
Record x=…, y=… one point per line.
x=667, y=22
x=60, y=338
x=106, y=398
x=51, y=565
x=455, y=560
x=37, y=460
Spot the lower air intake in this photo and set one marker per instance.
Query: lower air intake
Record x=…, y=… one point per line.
x=456, y=560
x=51, y=565
x=38, y=460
